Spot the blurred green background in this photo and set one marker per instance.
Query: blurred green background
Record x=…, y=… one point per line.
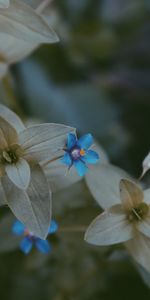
x=98, y=80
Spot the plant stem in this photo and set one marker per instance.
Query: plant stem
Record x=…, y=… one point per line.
x=51, y=160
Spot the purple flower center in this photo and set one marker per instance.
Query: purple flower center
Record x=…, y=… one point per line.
x=75, y=153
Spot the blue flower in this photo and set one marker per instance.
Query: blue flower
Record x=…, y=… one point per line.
x=79, y=154
x=29, y=239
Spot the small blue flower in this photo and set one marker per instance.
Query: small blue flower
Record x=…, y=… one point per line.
x=29, y=239
x=79, y=154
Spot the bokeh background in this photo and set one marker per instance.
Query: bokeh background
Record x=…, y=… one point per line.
x=98, y=80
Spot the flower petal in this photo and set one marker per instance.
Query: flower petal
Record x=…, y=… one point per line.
x=80, y=167
x=33, y=206
x=66, y=159
x=3, y=142
x=57, y=177
x=131, y=194
x=16, y=21
x=19, y=173
x=103, y=182
x=11, y=52
x=139, y=249
x=43, y=245
x=91, y=157
x=108, y=229
x=146, y=164
x=8, y=134
x=71, y=142
x=144, y=226
x=147, y=196
x=85, y=141
x=18, y=228
x=12, y=118
x=26, y=245
x=44, y=141
x=53, y=227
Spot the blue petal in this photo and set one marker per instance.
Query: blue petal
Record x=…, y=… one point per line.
x=43, y=245
x=71, y=141
x=67, y=159
x=18, y=228
x=91, y=157
x=85, y=141
x=53, y=227
x=80, y=167
x=26, y=245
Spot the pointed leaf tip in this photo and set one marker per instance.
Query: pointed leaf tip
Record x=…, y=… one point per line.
x=146, y=165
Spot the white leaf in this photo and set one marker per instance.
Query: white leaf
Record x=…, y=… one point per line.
x=7, y=132
x=131, y=194
x=12, y=118
x=21, y=21
x=146, y=164
x=3, y=142
x=44, y=141
x=19, y=173
x=31, y=207
x=139, y=249
x=144, y=226
x=109, y=228
x=103, y=158
x=59, y=177
x=34, y=3
x=144, y=274
x=147, y=196
x=103, y=182
x=15, y=49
